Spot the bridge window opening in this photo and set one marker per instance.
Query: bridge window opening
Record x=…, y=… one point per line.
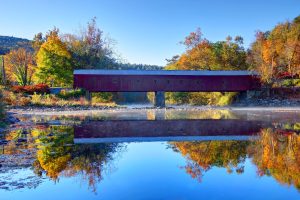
x=181, y=81
x=155, y=81
x=168, y=81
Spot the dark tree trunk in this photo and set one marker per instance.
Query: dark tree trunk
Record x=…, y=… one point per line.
x=3, y=71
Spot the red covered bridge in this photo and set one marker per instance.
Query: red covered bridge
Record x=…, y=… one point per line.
x=160, y=81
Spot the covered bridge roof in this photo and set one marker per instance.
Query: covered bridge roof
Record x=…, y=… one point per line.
x=164, y=72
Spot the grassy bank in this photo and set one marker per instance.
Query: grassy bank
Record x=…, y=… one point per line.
x=66, y=98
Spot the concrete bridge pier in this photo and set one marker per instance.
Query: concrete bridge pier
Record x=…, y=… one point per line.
x=160, y=114
x=159, y=99
x=88, y=96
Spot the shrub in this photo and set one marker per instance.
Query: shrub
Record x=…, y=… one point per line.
x=18, y=89
x=226, y=99
x=39, y=88
x=36, y=99
x=14, y=99
x=200, y=98
x=20, y=99
x=177, y=97
x=290, y=83
x=102, y=97
x=68, y=94
x=23, y=101
x=31, y=89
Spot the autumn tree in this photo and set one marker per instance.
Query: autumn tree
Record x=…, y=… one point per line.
x=54, y=61
x=193, y=39
x=276, y=53
x=37, y=42
x=19, y=66
x=90, y=49
x=202, y=54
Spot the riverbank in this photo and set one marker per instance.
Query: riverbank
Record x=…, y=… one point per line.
x=267, y=103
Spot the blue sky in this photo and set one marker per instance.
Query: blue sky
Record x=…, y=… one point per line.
x=147, y=31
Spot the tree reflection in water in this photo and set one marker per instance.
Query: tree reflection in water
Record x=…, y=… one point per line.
x=57, y=156
x=202, y=156
x=276, y=153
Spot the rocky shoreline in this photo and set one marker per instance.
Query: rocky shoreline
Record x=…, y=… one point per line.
x=268, y=102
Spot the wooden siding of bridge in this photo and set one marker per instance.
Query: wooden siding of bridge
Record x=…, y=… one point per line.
x=167, y=83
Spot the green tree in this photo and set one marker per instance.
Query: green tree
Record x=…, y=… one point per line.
x=54, y=61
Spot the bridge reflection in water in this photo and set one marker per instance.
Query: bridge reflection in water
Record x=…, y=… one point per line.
x=166, y=130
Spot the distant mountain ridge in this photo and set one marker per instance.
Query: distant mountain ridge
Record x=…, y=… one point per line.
x=8, y=42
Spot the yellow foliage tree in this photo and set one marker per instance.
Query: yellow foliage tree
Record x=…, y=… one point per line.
x=54, y=62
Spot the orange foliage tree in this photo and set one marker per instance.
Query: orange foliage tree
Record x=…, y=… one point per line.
x=19, y=66
x=277, y=52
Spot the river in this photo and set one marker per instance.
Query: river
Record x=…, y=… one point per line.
x=152, y=154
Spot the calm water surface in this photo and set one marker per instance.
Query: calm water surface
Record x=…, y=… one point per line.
x=153, y=155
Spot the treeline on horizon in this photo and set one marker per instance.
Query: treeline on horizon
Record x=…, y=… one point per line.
x=274, y=54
